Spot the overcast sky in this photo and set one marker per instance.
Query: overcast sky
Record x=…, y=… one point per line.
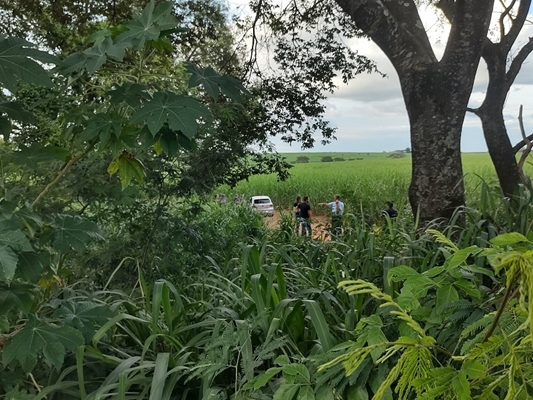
x=370, y=115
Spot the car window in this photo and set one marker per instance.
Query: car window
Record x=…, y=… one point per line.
x=262, y=201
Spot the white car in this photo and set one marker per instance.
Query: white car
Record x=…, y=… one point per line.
x=262, y=204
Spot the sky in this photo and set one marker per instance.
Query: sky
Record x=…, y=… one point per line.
x=369, y=112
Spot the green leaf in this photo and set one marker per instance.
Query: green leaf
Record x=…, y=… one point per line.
x=103, y=125
x=286, y=391
x=445, y=295
x=130, y=93
x=282, y=360
x=298, y=373
x=30, y=266
x=74, y=233
x=357, y=393
x=320, y=324
x=214, y=83
x=8, y=264
x=401, y=273
x=460, y=256
x=306, y=393
x=17, y=112
x=36, y=153
x=14, y=238
x=148, y=25
x=17, y=295
x=468, y=287
x=262, y=379
x=5, y=128
x=128, y=168
x=35, y=337
x=474, y=369
x=461, y=387
x=508, y=239
x=16, y=64
x=181, y=113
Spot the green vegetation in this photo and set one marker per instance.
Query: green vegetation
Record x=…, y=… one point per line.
x=365, y=185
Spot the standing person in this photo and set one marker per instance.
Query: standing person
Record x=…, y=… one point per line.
x=337, y=209
x=296, y=211
x=390, y=210
x=305, y=215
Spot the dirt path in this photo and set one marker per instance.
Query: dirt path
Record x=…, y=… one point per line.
x=319, y=224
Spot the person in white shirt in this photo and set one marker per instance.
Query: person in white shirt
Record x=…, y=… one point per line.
x=337, y=210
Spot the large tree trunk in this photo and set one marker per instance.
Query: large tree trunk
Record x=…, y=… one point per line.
x=436, y=116
x=435, y=92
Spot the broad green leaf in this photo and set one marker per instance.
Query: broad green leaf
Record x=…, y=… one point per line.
x=130, y=93
x=263, y=379
x=468, y=287
x=445, y=295
x=17, y=295
x=298, y=371
x=508, y=239
x=282, y=360
x=16, y=64
x=286, y=391
x=158, y=379
x=461, y=387
x=325, y=392
x=103, y=125
x=181, y=113
x=214, y=83
x=306, y=393
x=148, y=25
x=401, y=273
x=357, y=393
x=320, y=324
x=128, y=168
x=54, y=352
x=36, y=153
x=5, y=128
x=74, y=233
x=26, y=345
x=460, y=256
x=17, y=112
x=30, y=266
x=8, y=264
x=474, y=369
x=96, y=56
x=376, y=336
x=14, y=238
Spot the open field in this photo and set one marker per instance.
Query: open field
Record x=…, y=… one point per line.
x=364, y=184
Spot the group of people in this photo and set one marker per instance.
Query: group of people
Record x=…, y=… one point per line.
x=302, y=212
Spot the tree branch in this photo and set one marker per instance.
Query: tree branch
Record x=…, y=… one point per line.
x=522, y=143
x=526, y=152
x=505, y=13
x=517, y=24
x=517, y=62
x=60, y=175
x=396, y=27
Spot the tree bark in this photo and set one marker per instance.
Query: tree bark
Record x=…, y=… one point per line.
x=435, y=92
x=491, y=115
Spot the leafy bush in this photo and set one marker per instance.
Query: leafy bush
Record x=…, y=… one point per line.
x=338, y=159
x=326, y=159
x=396, y=154
x=302, y=160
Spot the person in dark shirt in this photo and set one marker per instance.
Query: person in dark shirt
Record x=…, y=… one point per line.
x=305, y=215
x=390, y=210
x=297, y=213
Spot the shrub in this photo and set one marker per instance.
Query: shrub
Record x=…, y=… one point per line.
x=302, y=160
x=339, y=159
x=327, y=159
x=396, y=154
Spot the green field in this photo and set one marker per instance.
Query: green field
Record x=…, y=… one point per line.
x=365, y=184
